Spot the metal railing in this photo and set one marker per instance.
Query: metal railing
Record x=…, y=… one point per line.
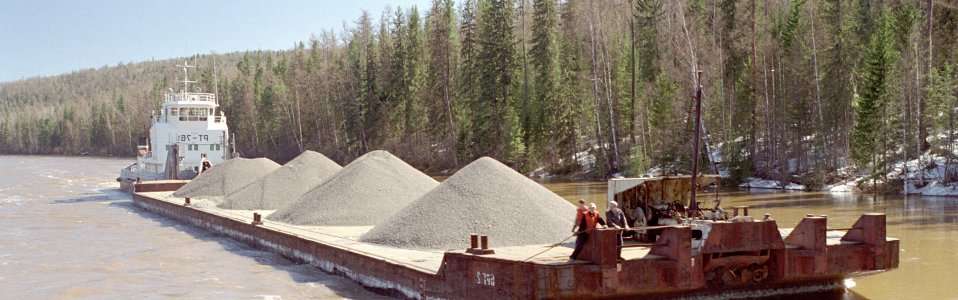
x=197, y=97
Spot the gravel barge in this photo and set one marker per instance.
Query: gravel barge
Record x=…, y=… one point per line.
x=681, y=261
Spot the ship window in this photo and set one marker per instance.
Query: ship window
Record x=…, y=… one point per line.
x=212, y=147
x=217, y=147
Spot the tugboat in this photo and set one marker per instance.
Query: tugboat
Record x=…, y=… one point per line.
x=188, y=127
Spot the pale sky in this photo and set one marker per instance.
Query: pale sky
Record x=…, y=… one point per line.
x=47, y=37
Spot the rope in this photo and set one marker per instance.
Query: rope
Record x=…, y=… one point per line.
x=548, y=248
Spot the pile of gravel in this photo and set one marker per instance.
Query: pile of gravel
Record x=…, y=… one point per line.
x=284, y=185
x=365, y=192
x=222, y=179
x=485, y=197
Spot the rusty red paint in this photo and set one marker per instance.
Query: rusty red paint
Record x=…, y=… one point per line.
x=671, y=268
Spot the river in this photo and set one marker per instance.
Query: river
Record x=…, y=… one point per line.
x=67, y=233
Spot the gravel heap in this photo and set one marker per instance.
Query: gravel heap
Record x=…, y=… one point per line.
x=284, y=185
x=485, y=197
x=227, y=177
x=365, y=192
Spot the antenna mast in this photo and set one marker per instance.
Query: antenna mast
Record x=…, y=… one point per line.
x=186, y=76
x=215, y=83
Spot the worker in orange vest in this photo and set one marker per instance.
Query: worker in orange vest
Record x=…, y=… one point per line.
x=588, y=223
x=579, y=212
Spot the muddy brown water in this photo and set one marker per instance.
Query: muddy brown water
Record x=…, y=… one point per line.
x=67, y=233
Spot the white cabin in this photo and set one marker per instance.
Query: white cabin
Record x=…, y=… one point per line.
x=193, y=123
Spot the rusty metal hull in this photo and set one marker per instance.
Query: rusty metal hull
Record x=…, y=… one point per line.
x=670, y=268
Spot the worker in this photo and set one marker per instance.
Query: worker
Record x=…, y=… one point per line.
x=205, y=164
x=717, y=212
x=616, y=218
x=579, y=212
x=589, y=222
x=640, y=218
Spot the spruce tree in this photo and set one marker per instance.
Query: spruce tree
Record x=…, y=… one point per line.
x=491, y=112
x=544, y=54
x=876, y=67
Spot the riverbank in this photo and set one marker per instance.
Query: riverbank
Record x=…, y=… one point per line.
x=929, y=175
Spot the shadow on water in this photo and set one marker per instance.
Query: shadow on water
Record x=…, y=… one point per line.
x=88, y=198
x=298, y=272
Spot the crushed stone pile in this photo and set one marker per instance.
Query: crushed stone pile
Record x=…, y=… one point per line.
x=227, y=177
x=283, y=185
x=485, y=197
x=365, y=192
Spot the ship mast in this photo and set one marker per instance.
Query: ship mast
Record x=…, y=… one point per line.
x=186, y=77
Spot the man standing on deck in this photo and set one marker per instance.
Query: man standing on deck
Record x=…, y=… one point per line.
x=616, y=218
x=579, y=212
x=205, y=164
x=589, y=222
x=641, y=220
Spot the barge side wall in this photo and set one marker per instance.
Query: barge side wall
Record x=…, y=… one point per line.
x=373, y=273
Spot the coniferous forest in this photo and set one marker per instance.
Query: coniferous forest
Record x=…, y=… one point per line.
x=799, y=90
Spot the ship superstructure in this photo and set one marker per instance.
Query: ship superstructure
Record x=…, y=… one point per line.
x=187, y=126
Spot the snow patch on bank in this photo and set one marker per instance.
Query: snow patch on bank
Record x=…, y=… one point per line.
x=850, y=186
x=923, y=176
x=759, y=183
x=935, y=188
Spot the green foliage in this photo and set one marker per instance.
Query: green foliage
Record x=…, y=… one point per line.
x=491, y=124
x=463, y=80
x=646, y=14
x=788, y=28
x=942, y=97
x=876, y=70
x=545, y=64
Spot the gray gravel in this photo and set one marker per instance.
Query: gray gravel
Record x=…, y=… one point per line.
x=485, y=197
x=227, y=177
x=284, y=185
x=365, y=192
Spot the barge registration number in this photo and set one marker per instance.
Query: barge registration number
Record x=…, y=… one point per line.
x=487, y=279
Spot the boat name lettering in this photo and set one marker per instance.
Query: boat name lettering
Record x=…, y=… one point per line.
x=194, y=137
x=487, y=279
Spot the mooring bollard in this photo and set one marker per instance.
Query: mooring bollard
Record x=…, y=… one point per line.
x=257, y=219
x=473, y=241
x=479, y=245
x=187, y=202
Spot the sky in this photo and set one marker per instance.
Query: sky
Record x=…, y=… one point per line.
x=48, y=37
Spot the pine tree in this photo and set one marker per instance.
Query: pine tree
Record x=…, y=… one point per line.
x=440, y=83
x=467, y=76
x=876, y=68
x=544, y=54
x=491, y=113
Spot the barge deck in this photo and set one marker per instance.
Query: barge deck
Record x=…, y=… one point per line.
x=808, y=254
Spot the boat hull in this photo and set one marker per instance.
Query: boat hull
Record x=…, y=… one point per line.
x=669, y=269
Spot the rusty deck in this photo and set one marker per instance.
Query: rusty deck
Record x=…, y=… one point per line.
x=808, y=254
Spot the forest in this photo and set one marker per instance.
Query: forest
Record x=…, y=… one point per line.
x=793, y=90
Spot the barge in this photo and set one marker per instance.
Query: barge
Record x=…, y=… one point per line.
x=681, y=260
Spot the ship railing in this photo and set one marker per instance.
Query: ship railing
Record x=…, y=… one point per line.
x=195, y=97
x=193, y=118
